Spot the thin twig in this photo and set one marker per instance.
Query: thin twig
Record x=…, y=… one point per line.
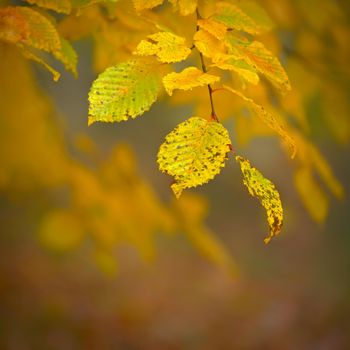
x=204, y=69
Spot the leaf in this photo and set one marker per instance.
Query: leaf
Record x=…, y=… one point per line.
x=244, y=70
x=311, y=194
x=28, y=29
x=124, y=91
x=67, y=56
x=185, y=7
x=262, y=188
x=31, y=56
x=187, y=79
x=268, y=119
x=62, y=6
x=260, y=59
x=166, y=46
x=217, y=29
x=193, y=153
x=23, y=25
x=146, y=4
x=257, y=14
x=234, y=18
x=208, y=44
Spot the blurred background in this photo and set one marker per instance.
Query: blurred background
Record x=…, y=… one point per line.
x=95, y=253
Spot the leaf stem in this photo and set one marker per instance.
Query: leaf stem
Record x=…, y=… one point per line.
x=204, y=69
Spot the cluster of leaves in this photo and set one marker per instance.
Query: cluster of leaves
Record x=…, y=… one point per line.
x=218, y=46
x=195, y=151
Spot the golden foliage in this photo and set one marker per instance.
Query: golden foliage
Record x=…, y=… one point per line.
x=187, y=79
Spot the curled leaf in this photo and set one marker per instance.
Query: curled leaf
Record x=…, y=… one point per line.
x=262, y=188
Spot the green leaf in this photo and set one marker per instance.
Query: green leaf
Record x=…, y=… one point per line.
x=262, y=188
x=124, y=91
x=193, y=153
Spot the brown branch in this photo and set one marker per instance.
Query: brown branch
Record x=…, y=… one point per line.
x=204, y=69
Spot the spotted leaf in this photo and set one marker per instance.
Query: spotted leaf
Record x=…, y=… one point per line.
x=193, y=153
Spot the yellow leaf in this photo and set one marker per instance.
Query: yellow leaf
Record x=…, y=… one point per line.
x=244, y=70
x=262, y=188
x=234, y=18
x=311, y=194
x=146, y=4
x=62, y=6
x=166, y=46
x=216, y=29
x=208, y=44
x=268, y=119
x=187, y=79
x=257, y=14
x=25, y=26
x=260, y=59
x=185, y=7
x=193, y=153
x=28, y=29
x=124, y=91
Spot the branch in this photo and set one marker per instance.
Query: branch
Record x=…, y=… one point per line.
x=204, y=69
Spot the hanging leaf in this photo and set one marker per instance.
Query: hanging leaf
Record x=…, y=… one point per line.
x=187, y=79
x=62, y=6
x=124, y=91
x=166, y=46
x=193, y=153
x=262, y=188
x=268, y=119
x=260, y=59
